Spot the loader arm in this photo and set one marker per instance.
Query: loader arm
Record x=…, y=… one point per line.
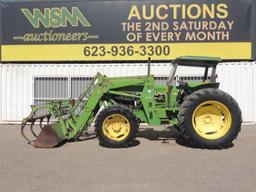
x=72, y=117
x=100, y=87
x=77, y=118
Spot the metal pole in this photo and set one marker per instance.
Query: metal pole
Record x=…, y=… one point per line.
x=213, y=76
x=206, y=73
x=169, y=84
x=149, y=66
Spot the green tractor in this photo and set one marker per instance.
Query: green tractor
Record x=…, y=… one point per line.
x=205, y=116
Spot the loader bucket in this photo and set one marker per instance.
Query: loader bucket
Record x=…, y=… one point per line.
x=48, y=137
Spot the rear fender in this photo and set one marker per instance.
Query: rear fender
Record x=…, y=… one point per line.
x=191, y=87
x=195, y=87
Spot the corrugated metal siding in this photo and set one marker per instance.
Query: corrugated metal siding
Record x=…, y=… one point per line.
x=237, y=79
x=1, y=93
x=17, y=92
x=254, y=91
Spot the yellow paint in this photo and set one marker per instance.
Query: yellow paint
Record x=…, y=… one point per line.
x=116, y=127
x=75, y=52
x=211, y=120
x=174, y=11
x=134, y=13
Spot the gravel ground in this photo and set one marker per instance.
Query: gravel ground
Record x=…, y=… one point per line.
x=158, y=161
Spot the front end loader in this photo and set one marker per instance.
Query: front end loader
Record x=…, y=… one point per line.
x=206, y=116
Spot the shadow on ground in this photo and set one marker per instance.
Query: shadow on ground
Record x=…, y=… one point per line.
x=169, y=134
x=164, y=136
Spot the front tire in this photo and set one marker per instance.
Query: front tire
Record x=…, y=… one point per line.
x=210, y=118
x=116, y=127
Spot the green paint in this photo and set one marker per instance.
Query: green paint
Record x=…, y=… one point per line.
x=200, y=59
x=55, y=17
x=148, y=101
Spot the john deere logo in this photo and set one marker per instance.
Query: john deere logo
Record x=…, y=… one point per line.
x=56, y=17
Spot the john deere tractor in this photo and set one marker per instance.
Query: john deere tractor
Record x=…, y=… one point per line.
x=205, y=116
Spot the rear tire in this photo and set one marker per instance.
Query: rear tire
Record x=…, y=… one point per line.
x=116, y=127
x=210, y=118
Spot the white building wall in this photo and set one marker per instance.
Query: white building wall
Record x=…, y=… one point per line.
x=254, y=92
x=238, y=79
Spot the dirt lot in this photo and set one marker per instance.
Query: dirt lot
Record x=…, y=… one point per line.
x=158, y=161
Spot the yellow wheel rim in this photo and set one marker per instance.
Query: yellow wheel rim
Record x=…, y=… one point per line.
x=211, y=120
x=116, y=127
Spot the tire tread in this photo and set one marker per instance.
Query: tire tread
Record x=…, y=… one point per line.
x=185, y=107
